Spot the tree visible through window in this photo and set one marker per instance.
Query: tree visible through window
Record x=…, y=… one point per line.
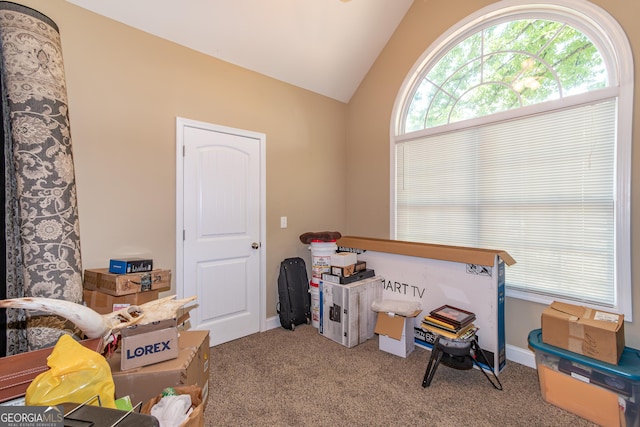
x=509, y=65
x=539, y=168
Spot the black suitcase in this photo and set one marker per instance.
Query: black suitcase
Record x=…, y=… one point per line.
x=294, y=305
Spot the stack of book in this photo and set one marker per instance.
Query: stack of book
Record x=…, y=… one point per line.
x=450, y=322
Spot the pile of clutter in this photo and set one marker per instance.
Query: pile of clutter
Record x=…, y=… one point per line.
x=132, y=353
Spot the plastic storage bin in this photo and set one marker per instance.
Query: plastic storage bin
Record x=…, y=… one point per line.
x=601, y=392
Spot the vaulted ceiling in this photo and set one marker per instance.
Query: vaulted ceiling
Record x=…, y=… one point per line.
x=325, y=46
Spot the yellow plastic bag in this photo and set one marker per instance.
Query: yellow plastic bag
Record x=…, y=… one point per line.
x=76, y=375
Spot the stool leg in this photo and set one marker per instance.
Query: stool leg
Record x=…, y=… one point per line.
x=434, y=360
x=478, y=352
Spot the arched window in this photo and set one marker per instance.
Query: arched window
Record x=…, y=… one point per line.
x=514, y=132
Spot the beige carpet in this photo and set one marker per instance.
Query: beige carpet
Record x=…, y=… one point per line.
x=300, y=378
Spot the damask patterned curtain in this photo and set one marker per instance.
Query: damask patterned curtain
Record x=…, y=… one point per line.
x=42, y=241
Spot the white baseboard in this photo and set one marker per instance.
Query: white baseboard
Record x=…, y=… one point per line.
x=522, y=356
x=272, y=323
x=515, y=354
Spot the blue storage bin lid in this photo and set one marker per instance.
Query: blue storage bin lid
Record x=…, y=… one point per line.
x=628, y=366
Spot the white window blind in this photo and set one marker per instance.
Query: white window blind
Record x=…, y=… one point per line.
x=541, y=187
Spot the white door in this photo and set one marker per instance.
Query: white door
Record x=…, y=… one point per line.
x=220, y=187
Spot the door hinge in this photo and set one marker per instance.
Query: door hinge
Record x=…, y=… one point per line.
x=184, y=150
x=184, y=234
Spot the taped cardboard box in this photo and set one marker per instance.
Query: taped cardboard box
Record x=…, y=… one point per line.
x=592, y=333
x=395, y=333
x=105, y=303
x=100, y=279
x=191, y=367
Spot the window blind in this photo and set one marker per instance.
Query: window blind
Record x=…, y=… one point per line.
x=540, y=187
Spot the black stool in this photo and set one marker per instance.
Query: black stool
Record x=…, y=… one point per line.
x=457, y=354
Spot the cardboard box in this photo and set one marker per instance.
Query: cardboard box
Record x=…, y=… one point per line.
x=19, y=370
x=603, y=393
x=130, y=265
x=196, y=417
x=585, y=400
x=145, y=328
x=191, y=367
x=346, y=316
x=438, y=275
x=148, y=343
x=343, y=271
x=105, y=303
x=424, y=250
x=100, y=279
x=343, y=259
x=585, y=331
x=395, y=333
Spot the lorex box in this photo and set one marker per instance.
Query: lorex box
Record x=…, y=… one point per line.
x=191, y=367
x=148, y=343
x=592, y=333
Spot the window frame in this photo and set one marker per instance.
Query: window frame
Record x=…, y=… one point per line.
x=611, y=41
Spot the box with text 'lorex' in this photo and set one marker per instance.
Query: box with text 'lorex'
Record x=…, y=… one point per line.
x=149, y=343
x=191, y=367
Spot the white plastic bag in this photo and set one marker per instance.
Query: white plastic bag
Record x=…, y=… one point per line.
x=401, y=307
x=171, y=411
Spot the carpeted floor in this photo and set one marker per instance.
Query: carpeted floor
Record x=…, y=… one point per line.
x=300, y=378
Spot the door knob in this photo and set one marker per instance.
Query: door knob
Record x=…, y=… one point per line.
x=255, y=245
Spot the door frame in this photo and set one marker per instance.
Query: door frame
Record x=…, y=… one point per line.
x=181, y=123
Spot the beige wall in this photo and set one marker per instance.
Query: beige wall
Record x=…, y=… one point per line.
x=125, y=90
x=369, y=126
